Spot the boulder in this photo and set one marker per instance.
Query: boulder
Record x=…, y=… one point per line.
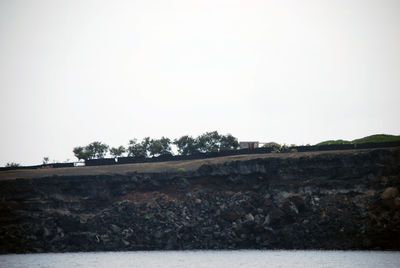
x=232, y=213
x=390, y=197
x=389, y=193
x=115, y=228
x=275, y=215
x=249, y=217
x=183, y=183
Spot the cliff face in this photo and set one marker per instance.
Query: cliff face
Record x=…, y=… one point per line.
x=327, y=201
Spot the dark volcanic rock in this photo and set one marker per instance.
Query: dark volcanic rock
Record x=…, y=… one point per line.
x=322, y=201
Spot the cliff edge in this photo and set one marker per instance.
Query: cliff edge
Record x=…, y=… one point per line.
x=320, y=200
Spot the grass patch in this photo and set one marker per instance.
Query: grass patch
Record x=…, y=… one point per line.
x=372, y=138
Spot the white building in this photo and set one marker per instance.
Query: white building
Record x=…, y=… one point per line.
x=249, y=144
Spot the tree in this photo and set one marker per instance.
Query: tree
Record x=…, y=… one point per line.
x=208, y=142
x=93, y=150
x=146, y=144
x=12, y=165
x=97, y=149
x=205, y=143
x=136, y=149
x=160, y=147
x=186, y=145
x=116, y=152
x=46, y=160
x=228, y=142
x=80, y=153
x=275, y=147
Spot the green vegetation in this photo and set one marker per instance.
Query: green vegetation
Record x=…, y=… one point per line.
x=205, y=143
x=93, y=150
x=278, y=148
x=136, y=149
x=46, y=160
x=378, y=138
x=372, y=138
x=275, y=147
x=186, y=145
x=160, y=147
x=116, y=152
x=12, y=165
x=334, y=142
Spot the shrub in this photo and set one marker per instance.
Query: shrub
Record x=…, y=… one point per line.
x=93, y=150
x=117, y=151
x=275, y=147
x=12, y=165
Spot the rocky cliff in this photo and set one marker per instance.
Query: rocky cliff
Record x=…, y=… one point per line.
x=335, y=200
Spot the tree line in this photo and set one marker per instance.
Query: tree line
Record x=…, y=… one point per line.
x=148, y=147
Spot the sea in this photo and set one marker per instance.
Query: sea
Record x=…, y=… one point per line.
x=206, y=259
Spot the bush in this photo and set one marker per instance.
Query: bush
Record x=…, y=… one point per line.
x=160, y=147
x=12, y=165
x=275, y=147
x=92, y=151
x=206, y=143
x=140, y=150
x=116, y=152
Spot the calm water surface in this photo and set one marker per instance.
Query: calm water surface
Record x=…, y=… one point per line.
x=208, y=259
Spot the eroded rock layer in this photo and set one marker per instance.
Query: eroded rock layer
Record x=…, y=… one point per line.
x=327, y=201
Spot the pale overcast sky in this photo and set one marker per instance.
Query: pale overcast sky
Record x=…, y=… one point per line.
x=73, y=72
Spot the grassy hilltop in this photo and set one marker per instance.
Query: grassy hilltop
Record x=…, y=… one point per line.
x=372, y=138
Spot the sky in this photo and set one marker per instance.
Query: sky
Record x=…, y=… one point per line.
x=295, y=72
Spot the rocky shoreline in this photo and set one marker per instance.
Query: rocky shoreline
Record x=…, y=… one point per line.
x=329, y=201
